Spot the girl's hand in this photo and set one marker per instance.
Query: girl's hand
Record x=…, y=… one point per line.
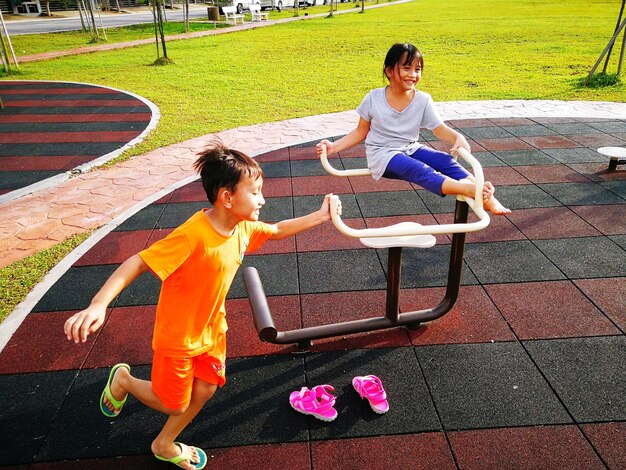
x=329, y=147
x=460, y=142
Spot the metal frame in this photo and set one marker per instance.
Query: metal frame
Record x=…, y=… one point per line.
x=264, y=322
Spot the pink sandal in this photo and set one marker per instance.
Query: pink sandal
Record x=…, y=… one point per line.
x=316, y=402
x=370, y=387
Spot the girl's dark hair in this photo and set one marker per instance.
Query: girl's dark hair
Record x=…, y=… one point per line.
x=403, y=54
x=222, y=167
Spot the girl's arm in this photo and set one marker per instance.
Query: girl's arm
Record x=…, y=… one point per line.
x=289, y=227
x=81, y=324
x=355, y=136
x=452, y=137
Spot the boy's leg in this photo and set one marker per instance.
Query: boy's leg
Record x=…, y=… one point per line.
x=123, y=382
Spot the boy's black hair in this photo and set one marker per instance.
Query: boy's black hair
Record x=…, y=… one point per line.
x=402, y=53
x=222, y=167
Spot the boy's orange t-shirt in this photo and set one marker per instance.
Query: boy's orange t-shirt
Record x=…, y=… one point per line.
x=197, y=266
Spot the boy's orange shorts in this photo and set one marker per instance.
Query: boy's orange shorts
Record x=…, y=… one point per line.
x=172, y=377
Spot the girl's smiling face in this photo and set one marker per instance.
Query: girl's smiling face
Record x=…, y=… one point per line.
x=405, y=76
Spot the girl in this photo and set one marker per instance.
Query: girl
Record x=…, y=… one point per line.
x=390, y=121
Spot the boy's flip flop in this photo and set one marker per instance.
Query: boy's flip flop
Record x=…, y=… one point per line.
x=185, y=455
x=117, y=404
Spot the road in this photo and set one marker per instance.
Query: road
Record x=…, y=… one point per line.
x=51, y=25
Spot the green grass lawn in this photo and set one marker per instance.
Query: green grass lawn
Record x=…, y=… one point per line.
x=473, y=49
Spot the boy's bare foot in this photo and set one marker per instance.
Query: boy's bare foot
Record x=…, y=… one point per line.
x=169, y=451
x=116, y=388
x=494, y=206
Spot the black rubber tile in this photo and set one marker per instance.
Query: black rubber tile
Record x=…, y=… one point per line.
x=277, y=209
x=488, y=385
x=427, y=267
x=525, y=157
x=174, y=214
x=513, y=261
x=383, y=204
x=492, y=132
x=588, y=374
x=337, y=271
x=303, y=205
x=52, y=149
x=311, y=167
x=587, y=257
x=19, y=179
x=105, y=126
x=253, y=407
x=525, y=196
x=411, y=409
x=573, y=128
x=276, y=169
x=575, y=155
x=143, y=291
x=145, y=219
x=30, y=405
x=75, y=289
x=581, y=194
x=486, y=159
x=619, y=240
x=437, y=204
x=617, y=187
x=91, y=434
x=353, y=163
x=530, y=130
x=610, y=127
x=47, y=110
x=278, y=273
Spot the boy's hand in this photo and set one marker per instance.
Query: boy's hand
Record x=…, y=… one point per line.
x=329, y=147
x=325, y=209
x=83, y=323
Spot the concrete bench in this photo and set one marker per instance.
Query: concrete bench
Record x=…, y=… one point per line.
x=257, y=14
x=231, y=15
x=617, y=156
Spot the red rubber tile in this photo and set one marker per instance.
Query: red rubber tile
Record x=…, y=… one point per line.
x=145, y=462
x=538, y=310
x=274, y=156
x=21, y=163
x=277, y=187
x=473, y=319
x=265, y=457
x=72, y=103
x=609, y=295
x=551, y=222
x=125, y=337
x=461, y=123
x=313, y=185
x=608, y=219
x=192, y=192
x=597, y=140
x=550, y=142
x=504, y=175
x=505, y=122
x=410, y=451
x=286, y=245
x=358, y=151
x=608, y=439
x=40, y=345
x=551, y=174
x=326, y=237
x=66, y=137
x=598, y=171
x=107, y=117
x=303, y=153
x=91, y=90
x=157, y=235
x=511, y=143
x=367, y=184
x=499, y=229
x=547, y=447
x=116, y=247
x=242, y=339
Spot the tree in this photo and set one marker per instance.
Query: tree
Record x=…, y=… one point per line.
x=619, y=27
x=159, y=33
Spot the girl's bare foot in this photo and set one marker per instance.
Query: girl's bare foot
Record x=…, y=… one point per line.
x=494, y=206
x=488, y=191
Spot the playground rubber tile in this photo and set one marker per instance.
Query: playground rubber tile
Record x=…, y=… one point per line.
x=277, y=187
x=525, y=196
x=500, y=229
x=423, y=219
x=276, y=169
x=512, y=121
x=145, y=219
x=542, y=310
x=573, y=128
x=278, y=273
x=551, y=174
x=608, y=295
x=473, y=319
x=504, y=175
x=488, y=385
x=609, y=219
x=580, y=258
x=428, y=267
x=486, y=159
x=388, y=204
x=491, y=132
x=597, y=140
x=268, y=456
x=367, y=184
x=143, y=291
x=279, y=155
x=75, y=289
x=511, y=143
x=147, y=462
x=551, y=141
x=437, y=204
x=125, y=337
x=158, y=234
x=303, y=152
x=242, y=338
x=277, y=209
x=336, y=271
x=582, y=194
x=358, y=151
x=35, y=401
x=303, y=205
x=416, y=451
x=355, y=163
x=619, y=240
x=310, y=167
x=270, y=247
x=462, y=124
x=530, y=130
x=607, y=438
x=10, y=181
x=253, y=407
x=610, y=127
x=327, y=238
x=412, y=410
x=513, y=261
x=192, y=192
x=174, y=214
x=575, y=155
x=551, y=222
x=529, y=447
x=115, y=248
x=618, y=187
x=588, y=374
x=48, y=348
x=596, y=171
x=49, y=163
x=524, y=157
x=312, y=185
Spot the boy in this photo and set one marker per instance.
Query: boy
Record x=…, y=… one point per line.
x=196, y=264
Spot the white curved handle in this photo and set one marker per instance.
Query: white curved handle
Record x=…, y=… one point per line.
x=333, y=171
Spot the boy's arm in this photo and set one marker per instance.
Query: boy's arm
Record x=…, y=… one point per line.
x=81, y=324
x=289, y=227
x=355, y=136
x=452, y=137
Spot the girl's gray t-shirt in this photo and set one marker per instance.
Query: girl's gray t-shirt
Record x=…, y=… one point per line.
x=392, y=132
